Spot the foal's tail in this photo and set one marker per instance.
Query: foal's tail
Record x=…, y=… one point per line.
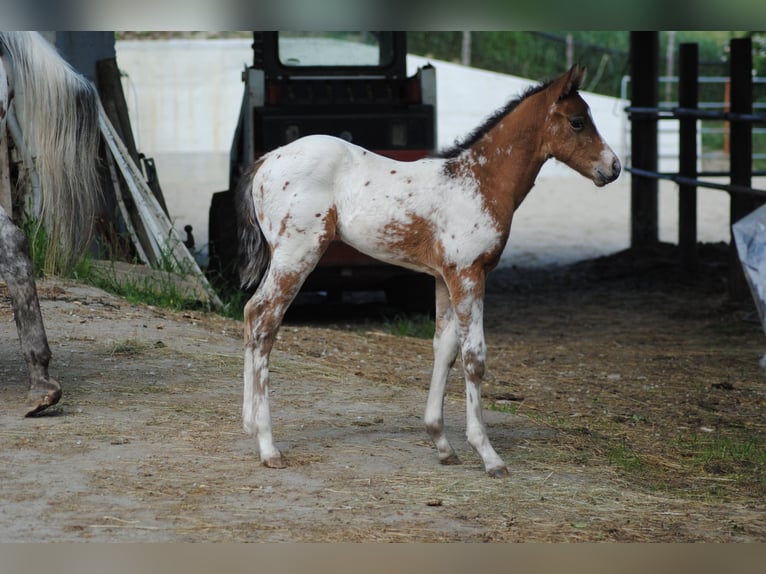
x=254, y=252
x=57, y=111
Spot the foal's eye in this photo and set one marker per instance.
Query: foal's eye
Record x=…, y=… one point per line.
x=577, y=123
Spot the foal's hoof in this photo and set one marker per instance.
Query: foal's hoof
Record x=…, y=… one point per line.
x=451, y=459
x=498, y=472
x=39, y=400
x=275, y=461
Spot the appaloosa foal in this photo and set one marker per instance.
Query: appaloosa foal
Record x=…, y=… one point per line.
x=449, y=216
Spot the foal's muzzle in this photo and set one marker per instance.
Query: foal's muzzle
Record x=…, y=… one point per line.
x=607, y=174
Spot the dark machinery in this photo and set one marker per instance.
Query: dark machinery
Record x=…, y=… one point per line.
x=351, y=85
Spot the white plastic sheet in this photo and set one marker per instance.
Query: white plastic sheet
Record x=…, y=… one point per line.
x=750, y=238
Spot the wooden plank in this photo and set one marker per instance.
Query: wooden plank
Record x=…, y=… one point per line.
x=113, y=100
x=6, y=201
x=164, y=240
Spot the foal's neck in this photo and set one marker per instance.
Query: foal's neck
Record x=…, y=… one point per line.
x=506, y=161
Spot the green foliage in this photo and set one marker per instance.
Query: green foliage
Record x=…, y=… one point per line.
x=625, y=458
x=722, y=454
x=534, y=54
x=160, y=290
x=37, y=238
x=419, y=326
x=605, y=54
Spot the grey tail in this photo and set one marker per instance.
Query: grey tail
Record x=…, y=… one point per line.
x=254, y=251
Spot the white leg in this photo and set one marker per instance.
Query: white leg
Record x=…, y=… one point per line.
x=469, y=306
x=446, y=347
x=476, y=432
x=263, y=316
x=256, y=411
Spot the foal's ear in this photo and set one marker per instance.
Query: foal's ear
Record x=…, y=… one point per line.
x=571, y=81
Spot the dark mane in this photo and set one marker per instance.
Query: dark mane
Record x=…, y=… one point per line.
x=469, y=140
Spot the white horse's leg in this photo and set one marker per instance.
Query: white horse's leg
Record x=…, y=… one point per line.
x=446, y=346
x=467, y=294
x=16, y=269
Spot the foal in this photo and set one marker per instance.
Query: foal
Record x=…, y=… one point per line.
x=448, y=216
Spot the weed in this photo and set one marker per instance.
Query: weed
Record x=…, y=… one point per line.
x=37, y=237
x=233, y=304
x=160, y=289
x=129, y=348
x=624, y=457
x=722, y=454
x=419, y=326
x=503, y=407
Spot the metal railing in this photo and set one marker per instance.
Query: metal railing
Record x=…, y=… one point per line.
x=707, y=112
x=646, y=115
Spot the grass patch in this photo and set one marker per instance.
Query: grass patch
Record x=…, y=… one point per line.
x=510, y=407
x=37, y=237
x=419, y=326
x=161, y=288
x=623, y=457
x=168, y=286
x=718, y=454
x=129, y=348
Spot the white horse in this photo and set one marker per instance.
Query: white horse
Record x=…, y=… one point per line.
x=52, y=113
x=448, y=216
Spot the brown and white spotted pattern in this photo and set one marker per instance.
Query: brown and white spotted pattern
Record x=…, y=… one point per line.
x=448, y=216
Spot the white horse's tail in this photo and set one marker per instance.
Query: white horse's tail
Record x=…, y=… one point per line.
x=57, y=110
x=254, y=254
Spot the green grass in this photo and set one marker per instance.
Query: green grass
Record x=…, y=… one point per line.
x=713, y=141
x=37, y=237
x=622, y=456
x=419, y=326
x=159, y=291
x=724, y=454
x=510, y=407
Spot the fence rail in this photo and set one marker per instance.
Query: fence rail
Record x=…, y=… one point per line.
x=645, y=114
x=708, y=111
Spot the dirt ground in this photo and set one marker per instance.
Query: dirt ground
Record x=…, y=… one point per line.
x=626, y=399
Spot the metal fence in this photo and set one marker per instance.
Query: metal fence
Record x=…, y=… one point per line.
x=713, y=132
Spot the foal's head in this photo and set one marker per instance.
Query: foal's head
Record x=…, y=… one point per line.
x=569, y=133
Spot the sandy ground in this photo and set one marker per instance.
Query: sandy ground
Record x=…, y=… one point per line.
x=626, y=400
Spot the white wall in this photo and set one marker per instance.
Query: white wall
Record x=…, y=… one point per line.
x=184, y=95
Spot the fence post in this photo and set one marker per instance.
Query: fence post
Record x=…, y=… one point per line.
x=688, y=97
x=644, y=69
x=741, y=153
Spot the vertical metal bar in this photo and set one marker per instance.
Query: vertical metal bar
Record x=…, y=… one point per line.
x=741, y=153
x=688, y=97
x=644, y=64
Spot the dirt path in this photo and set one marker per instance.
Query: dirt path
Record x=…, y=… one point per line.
x=627, y=403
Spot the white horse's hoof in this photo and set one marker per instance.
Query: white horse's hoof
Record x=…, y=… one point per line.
x=498, y=472
x=274, y=461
